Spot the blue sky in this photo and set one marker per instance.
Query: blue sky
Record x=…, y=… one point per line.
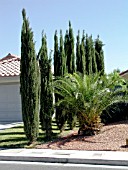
x=108, y=18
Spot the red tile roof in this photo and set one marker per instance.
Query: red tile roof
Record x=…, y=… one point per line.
x=10, y=66
x=124, y=72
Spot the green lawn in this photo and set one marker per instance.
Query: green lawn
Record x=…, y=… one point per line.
x=15, y=137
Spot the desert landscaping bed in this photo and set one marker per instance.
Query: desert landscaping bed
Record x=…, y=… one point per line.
x=111, y=138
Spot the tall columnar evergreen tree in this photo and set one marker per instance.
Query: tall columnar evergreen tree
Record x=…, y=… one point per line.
x=99, y=55
x=56, y=55
x=60, y=70
x=46, y=97
x=78, y=53
x=71, y=55
x=70, y=62
x=94, y=65
x=66, y=48
x=29, y=82
x=82, y=50
x=62, y=56
x=88, y=56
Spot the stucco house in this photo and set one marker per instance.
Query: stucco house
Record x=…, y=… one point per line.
x=124, y=74
x=10, y=99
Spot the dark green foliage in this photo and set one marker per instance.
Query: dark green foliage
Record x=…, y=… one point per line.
x=56, y=55
x=94, y=64
x=82, y=50
x=70, y=59
x=46, y=97
x=60, y=70
x=99, y=56
x=69, y=50
x=29, y=82
x=88, y=56
x=86, y=96
x=62, y=57
x=80, y=54
x=66, y=47
x=115, y=112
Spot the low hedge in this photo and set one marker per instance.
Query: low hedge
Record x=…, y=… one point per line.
x=115, y=112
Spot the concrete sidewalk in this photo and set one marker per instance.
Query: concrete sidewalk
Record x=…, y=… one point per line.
x=65, y=156
x=7, y=125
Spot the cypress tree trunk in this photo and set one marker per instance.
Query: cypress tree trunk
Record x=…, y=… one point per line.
x=46, y=97
x=99, y=56
x=29, y=82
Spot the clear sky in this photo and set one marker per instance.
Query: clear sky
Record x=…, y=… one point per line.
x=108, y=18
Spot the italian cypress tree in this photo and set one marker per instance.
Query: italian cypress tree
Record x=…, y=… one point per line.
x=71, y=55
x=82, y=51
x=46, y=97
x=62, y=56
x=60, y=70
x=56, y=74
x=99, y=55
x=94, y=65
x=88, y=56
x=56, y=56
x=78, y=53
x=29, y=82
x=70, y=63
x=66, y=48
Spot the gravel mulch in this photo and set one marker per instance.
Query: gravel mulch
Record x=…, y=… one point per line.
x=111, y=138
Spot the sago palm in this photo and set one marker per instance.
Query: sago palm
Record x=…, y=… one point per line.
x=87, y=96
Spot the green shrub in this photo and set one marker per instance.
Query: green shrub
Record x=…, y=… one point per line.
x=115, y=112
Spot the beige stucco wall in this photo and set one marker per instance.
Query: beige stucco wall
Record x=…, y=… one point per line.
x=10, y=100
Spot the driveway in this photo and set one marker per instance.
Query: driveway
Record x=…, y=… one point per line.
x=6, y=125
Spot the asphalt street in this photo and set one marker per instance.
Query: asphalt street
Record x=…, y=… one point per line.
x=6, y=165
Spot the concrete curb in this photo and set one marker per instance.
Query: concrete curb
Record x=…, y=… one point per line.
x=65, y=156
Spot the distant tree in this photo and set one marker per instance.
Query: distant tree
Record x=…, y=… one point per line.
x=99, y=55
x=29, y=82
x=117, y=70
x=46, y=97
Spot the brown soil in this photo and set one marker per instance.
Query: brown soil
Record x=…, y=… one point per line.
x=111, y=138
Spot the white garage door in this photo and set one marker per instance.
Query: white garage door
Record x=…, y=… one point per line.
x=10, y=103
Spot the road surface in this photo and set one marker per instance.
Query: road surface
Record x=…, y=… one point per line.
x=15, y=165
